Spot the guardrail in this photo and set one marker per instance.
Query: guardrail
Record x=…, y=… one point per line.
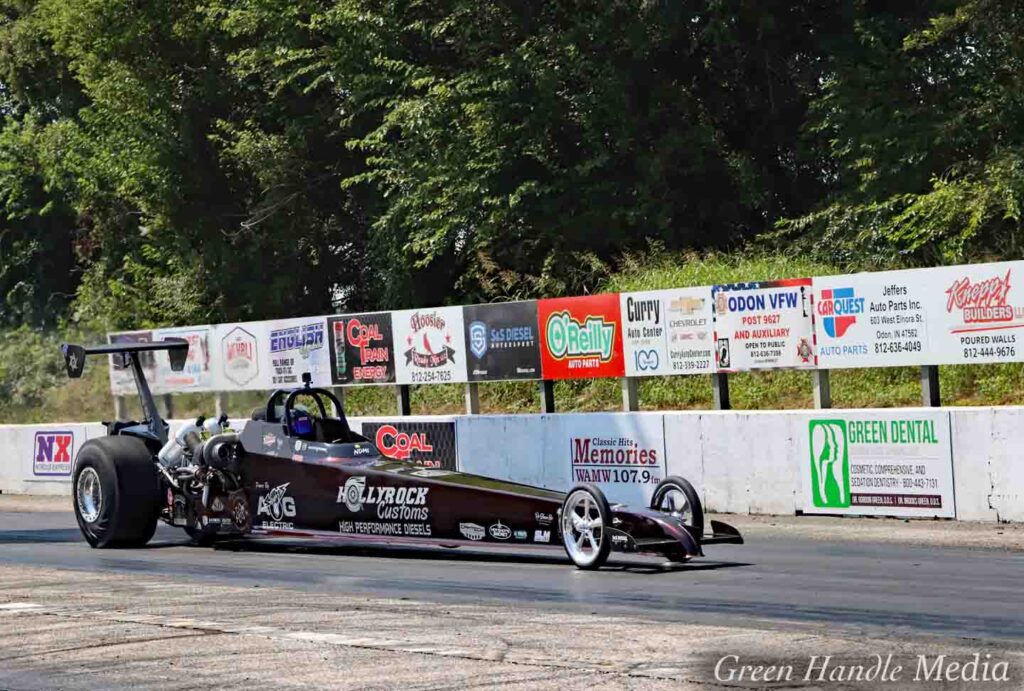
x=918, y=317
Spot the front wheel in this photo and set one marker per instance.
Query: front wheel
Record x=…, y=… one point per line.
x=677, y=497
x=116, y=492
x=585, y=515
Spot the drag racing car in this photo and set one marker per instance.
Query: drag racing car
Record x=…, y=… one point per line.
x=297, y=469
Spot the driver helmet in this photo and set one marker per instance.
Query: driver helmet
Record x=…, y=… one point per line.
x=302, y=422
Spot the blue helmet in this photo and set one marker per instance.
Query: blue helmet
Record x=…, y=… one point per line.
x=302, y=423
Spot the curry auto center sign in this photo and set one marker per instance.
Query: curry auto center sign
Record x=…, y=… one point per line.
x=892, y=463
x=668, y=332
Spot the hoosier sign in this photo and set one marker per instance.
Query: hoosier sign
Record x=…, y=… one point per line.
x=581, y=338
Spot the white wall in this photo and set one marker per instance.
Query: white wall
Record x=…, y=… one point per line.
x=741, y=462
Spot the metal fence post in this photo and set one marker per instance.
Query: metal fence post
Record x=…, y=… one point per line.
x=472, y=398
x=630, y=394
x=120, y=408
x=220, y=403
x=720, y=386
x=402, y=398
x=168, y=406
x=822, y=388
x=930, y=395
x=547, y=396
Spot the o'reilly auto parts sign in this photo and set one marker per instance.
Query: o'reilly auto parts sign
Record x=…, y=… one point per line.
x=879, y=464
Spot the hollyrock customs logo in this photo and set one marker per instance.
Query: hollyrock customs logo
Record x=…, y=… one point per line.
x=830, y=464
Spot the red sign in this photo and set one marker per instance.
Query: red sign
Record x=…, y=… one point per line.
x=581, y=337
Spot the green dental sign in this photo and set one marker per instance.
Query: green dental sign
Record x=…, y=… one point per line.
x=830, y=464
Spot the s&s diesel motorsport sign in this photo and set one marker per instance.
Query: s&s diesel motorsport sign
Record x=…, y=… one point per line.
x=502, y=341
x=879, y=464
x=430, y=444
x=362, y=349
x=581, y=337
x=763, y=325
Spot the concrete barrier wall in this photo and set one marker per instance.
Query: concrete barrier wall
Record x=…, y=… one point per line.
x=740, y=462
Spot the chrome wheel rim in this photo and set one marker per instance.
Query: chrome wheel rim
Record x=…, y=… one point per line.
x=674, y=502
x=89, y=495
x=582, y=528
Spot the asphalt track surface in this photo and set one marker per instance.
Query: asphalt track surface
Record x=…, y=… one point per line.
x=878, y=589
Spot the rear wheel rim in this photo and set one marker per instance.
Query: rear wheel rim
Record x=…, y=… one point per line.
x=582, y=528
x=673, y=501
x=90, y=495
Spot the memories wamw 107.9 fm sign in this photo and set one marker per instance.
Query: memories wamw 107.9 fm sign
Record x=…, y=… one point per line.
x=581, y=337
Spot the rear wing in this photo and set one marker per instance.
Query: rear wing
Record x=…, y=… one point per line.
x=177, y=352
x=74, y=355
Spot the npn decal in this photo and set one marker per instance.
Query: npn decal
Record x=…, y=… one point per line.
x=583, y=344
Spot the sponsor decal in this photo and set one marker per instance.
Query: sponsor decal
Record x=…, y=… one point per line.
x=430, y=472
x=239, y=351
x=430, y=444
x=361, y=450
x=542, y=536
x=838, y=309
x=472, y=531
x=521, y=535
x=500, y=531
x=385, y=528
x=277, y=505
x=269, y=440
x=391, y=503
x=53, y=453
x=502, y=341
x=304, y=338
x=543, y=518
x=618, y=539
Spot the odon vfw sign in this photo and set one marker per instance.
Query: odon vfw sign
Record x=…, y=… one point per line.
x=763, y=325
x=881, y=464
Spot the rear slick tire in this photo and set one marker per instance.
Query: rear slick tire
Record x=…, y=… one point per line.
x=116, y=492
x=585, y=515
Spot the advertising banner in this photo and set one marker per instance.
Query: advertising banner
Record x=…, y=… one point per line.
x=872, y=319
x=668, y=332
x=198, y=372
x=581, y=337
x=53, y=453
x=362, y=348
x=295, y=346
x=122, y=382
x=502, y=341
x=624, y=455
x=976, y=313
x=430, y=345
x=430, y=444
x=241, y=348
x=762, y=325
x=892, y=463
